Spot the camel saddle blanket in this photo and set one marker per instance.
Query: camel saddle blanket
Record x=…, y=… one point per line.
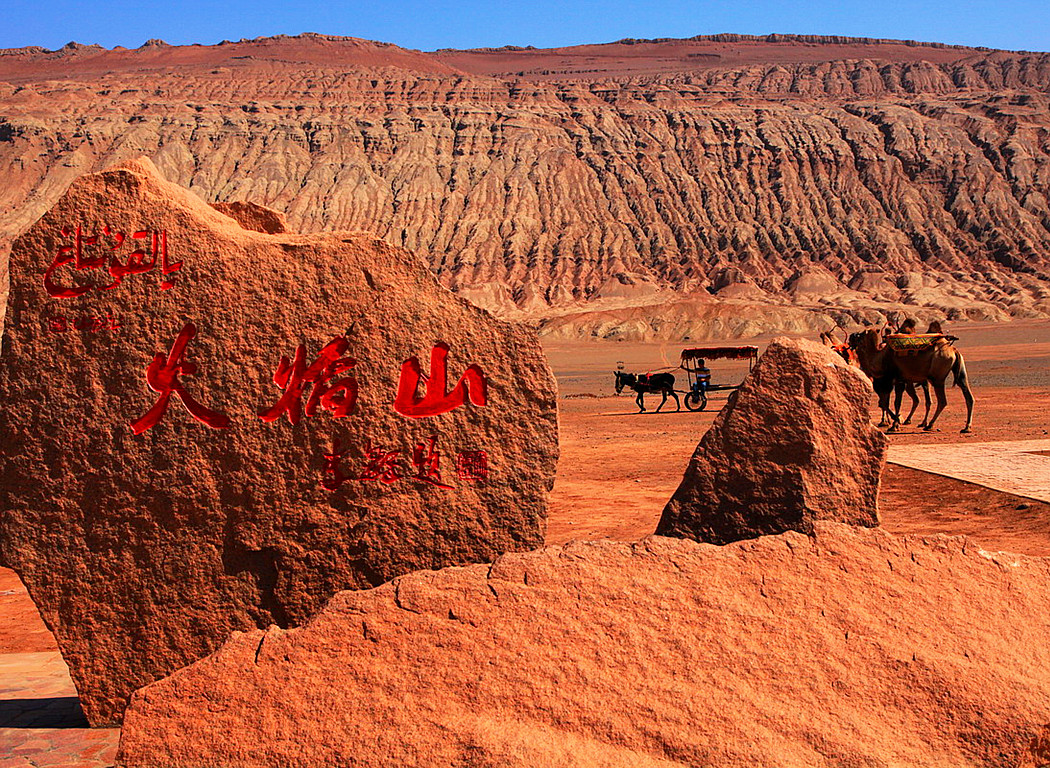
x=916, y=342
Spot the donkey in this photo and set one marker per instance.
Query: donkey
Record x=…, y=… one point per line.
x=646, y=384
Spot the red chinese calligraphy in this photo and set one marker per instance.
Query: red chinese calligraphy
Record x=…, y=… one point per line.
x=472, y=466
x=438, y=399
x=57, y=324
x=61, y=324
x=100, y=324
x=339, y=396
x=139, y=261
x=163, y=378
x=332, y=474
x=385, y=466
x=427, y=461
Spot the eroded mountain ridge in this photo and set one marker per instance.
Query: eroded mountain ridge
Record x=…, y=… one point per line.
x=685, y=198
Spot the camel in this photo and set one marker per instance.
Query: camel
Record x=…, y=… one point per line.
x=873, y=366
x=931, y=364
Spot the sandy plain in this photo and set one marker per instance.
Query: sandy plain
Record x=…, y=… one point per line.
x=617, y=469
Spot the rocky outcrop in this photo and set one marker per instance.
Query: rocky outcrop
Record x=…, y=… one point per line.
x=792, y=447
x=207, y=428
x=923, y=168
x=846, y=648
x=257, y=218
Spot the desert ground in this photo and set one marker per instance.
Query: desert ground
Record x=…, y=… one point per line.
x=617, y=469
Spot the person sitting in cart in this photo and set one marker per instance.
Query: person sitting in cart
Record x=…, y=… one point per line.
x=703, y=375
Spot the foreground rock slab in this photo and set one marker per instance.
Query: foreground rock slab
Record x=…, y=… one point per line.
x=794, y=445
x=208, y=429
x=848, y=648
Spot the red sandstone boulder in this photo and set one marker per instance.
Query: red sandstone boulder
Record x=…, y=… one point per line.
x=792, y=446
x=208, y=429
x=847, y=648
x=257, y=218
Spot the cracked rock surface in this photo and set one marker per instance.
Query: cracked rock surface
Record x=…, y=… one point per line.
x=850, y=647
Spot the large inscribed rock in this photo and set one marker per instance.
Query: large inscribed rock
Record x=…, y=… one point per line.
x=793, y=445
x=209, y=429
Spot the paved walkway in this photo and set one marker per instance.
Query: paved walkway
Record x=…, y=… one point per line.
x=1011, y=466
x=41, y=723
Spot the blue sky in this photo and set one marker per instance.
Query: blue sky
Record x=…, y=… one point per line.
x=1011, y=24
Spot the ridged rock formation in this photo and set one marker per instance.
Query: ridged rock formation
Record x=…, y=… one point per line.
x=836, y=177
x=848, y=648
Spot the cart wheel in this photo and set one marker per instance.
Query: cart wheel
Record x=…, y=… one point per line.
x=696, y=401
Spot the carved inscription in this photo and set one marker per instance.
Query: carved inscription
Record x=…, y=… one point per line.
x=472, y=466
x=103, y=249
x=437, y=399
x=331, y=390
x=338, y=396
x=63, y=324
x=162, y=375
x=386, y=466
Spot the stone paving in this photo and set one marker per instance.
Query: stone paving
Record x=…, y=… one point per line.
x=1011, y=466
x=41, y=724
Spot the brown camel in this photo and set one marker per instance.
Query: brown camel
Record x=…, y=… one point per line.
x=876, y=361
x=827, y=338
x=930, y=364
x=900, y=386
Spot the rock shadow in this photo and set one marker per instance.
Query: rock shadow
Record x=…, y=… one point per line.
x=56, y=712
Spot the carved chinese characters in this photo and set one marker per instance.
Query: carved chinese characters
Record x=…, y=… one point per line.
x=66, y=324
x=437, y=400
x=472, y=466
x=337, y=396
x=162, y=375
x=229, y=452
x=389, y=467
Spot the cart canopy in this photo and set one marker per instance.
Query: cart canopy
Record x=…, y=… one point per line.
x=689, y=356
x=725, y=353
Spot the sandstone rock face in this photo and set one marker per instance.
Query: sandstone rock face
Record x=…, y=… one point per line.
x=847, y=648
x=257, y=218
x=535, y=196
x=292, y=416
x=793, y=446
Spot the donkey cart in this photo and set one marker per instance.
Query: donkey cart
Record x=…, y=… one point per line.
x=694, y=363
